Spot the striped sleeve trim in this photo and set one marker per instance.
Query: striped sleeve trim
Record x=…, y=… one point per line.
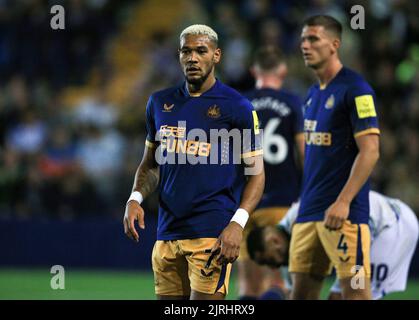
x=150, y=144
x=367, y=131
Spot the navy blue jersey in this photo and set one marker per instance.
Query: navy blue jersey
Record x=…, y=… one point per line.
x=281, y=118
x=197, y=200
x=333, y=117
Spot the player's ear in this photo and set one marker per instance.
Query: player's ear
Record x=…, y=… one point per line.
x=335, y=45
x=179, y=55
x=217, y=55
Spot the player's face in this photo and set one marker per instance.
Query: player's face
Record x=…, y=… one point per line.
x=276, y=248
x=198, y=56
x=317, y=46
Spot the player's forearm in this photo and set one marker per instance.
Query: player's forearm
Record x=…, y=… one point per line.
x=362, y=168
x=299, y=142
x=146, y=180
x=147, y=174
x=253, y=191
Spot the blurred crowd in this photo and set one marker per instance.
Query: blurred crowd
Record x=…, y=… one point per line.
x=56, y=160
x=69, y=161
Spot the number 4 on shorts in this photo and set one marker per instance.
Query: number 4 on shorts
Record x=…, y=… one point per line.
x=342, y=244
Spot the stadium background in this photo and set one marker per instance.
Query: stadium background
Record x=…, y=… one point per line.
x=72, y=124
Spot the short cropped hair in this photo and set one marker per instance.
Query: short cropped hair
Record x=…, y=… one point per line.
x=200, y=29
x=268, y=58
x=255, y=242
x=327, y=22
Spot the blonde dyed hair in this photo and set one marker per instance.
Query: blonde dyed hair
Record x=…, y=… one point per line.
x=200, y=29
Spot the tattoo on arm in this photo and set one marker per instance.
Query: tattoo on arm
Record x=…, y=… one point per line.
x=147, y=175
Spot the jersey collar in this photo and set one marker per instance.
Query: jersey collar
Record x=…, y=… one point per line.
x=214, y=92
x=334, y=79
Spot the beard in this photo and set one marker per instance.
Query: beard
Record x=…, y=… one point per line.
x=197, y=82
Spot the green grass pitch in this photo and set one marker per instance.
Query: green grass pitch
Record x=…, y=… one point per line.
x=34, y=284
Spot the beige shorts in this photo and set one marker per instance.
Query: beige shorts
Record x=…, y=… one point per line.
x=316, y=250
x=182, y=265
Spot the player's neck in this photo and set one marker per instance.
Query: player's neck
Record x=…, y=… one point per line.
x=196, y=91
x=268, y=83
x=326, y=73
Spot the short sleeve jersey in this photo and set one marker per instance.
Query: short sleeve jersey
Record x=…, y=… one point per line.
x=333, y=117
x=201, y=177
x=281, y=118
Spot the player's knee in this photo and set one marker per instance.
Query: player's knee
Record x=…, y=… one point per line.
x=306, y=286
x=357, y=291
x=357, y=295
x=304, y=294
x=349, y=293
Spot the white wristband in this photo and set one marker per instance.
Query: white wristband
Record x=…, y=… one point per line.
x=241, y=216
x=136, y=196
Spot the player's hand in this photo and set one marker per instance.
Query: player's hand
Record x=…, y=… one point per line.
x=133, y=211
x=336, y=215
x=228, y=243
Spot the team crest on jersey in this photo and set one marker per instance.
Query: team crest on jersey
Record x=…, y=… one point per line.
x=168, y=108
x=330, y=103
x=214, y=112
